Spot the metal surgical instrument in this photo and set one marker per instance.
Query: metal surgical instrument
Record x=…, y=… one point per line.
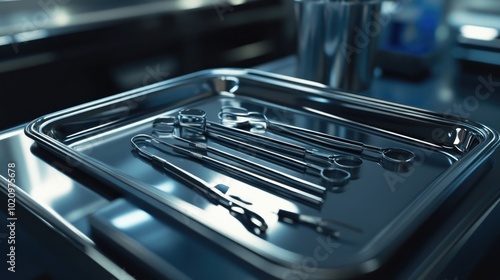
x=342, y=168
x=249, y=175
x=267, y=171
x=391, y=158
x=213, y=193
x=166, y=124
x=271, y=143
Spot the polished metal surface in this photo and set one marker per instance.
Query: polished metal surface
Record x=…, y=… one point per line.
x=46, y=182
x=52, y=190
x=97, y=137
x=337, y=41
x=162, y=249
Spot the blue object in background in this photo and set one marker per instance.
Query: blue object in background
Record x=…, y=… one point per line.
x=413, y=26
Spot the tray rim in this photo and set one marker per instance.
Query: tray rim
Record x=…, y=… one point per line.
x=490, y=143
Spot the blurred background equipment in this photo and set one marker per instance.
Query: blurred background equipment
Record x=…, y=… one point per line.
x=476, y=25
x=414, y=34
x=59, y=53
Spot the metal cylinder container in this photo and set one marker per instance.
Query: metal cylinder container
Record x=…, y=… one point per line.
x=337, y=41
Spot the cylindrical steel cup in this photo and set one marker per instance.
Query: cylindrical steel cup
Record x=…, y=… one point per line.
x=337, y=41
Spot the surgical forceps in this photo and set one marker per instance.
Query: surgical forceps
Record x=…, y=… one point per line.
x=239, y=171
x=267, y=171
x=396, y=159
x=213, y=193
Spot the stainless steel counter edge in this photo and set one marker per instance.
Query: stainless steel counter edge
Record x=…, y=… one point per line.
x=53, y=219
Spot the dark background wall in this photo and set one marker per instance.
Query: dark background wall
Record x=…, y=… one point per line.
x=69, y=66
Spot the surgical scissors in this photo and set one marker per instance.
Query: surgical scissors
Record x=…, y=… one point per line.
x=396, y=159
x=239, y=171
x=213, y=193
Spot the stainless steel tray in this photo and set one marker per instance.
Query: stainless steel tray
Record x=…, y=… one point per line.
x=387, y=205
